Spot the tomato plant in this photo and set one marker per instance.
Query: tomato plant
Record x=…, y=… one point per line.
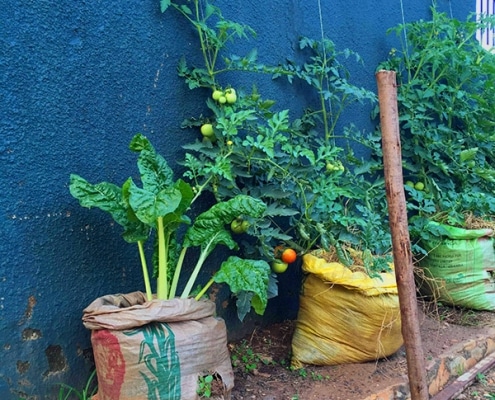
x=301, y=164
x=444, y=78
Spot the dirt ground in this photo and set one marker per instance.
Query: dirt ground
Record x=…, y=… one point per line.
x=262, y=361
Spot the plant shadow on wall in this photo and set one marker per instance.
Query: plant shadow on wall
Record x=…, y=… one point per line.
x=319, y=193
x=446, y=83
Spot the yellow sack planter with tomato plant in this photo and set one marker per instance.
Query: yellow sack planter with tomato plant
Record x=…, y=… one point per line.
x=345, y=316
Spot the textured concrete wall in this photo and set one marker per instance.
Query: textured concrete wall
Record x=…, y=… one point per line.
x=78, y=80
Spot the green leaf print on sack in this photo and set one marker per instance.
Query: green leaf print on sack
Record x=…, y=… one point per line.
x=157, y=351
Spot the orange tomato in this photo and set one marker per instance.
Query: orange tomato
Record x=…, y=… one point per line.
x=289, y=256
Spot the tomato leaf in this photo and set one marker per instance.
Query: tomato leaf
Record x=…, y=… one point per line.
x=164, y=4
x=468, y=154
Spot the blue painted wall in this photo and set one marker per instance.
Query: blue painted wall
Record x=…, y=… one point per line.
x=78, y=80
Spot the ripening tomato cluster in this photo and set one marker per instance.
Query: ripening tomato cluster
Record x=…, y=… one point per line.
x=283, y=257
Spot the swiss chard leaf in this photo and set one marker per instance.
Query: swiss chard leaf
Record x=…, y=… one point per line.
x=246, y=276
x=243, y=304
x=139, y=143
x=110, y=198
x=209, y=227
x=104, y=195
x=135, y=230
x=187, y=196
x=156, y=174
x=148, y=206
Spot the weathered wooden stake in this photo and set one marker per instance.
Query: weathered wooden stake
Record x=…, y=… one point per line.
x=401, y=244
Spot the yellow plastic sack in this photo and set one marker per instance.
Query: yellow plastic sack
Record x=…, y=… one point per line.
x=344, y=316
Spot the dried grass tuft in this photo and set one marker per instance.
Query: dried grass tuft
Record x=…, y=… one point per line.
x=474, y=222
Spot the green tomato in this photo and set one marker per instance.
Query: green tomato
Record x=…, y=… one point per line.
x=222, y=99
x=279, y=267
x=237, y=226
x=245, y=225
x=230, y=96
x=216, y=94
x=207, y=130
x=334, y=167
x=419, y=186
x=410, y=184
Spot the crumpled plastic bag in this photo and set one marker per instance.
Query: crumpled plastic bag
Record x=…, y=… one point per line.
x=459, y=268
x=345, y=316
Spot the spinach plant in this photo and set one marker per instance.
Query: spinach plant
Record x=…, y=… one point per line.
x=163, y=205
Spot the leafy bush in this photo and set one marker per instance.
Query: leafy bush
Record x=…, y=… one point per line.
x=446, y=83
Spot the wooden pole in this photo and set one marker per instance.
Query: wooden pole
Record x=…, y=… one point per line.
x=401, y=244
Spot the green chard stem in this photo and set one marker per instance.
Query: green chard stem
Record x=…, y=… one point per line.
x=204, y=290
x=162, y=284
x=147, y=285
x=178, y=268
x=195, y=273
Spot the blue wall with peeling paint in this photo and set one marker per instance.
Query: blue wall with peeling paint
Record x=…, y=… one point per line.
x=78, y=80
